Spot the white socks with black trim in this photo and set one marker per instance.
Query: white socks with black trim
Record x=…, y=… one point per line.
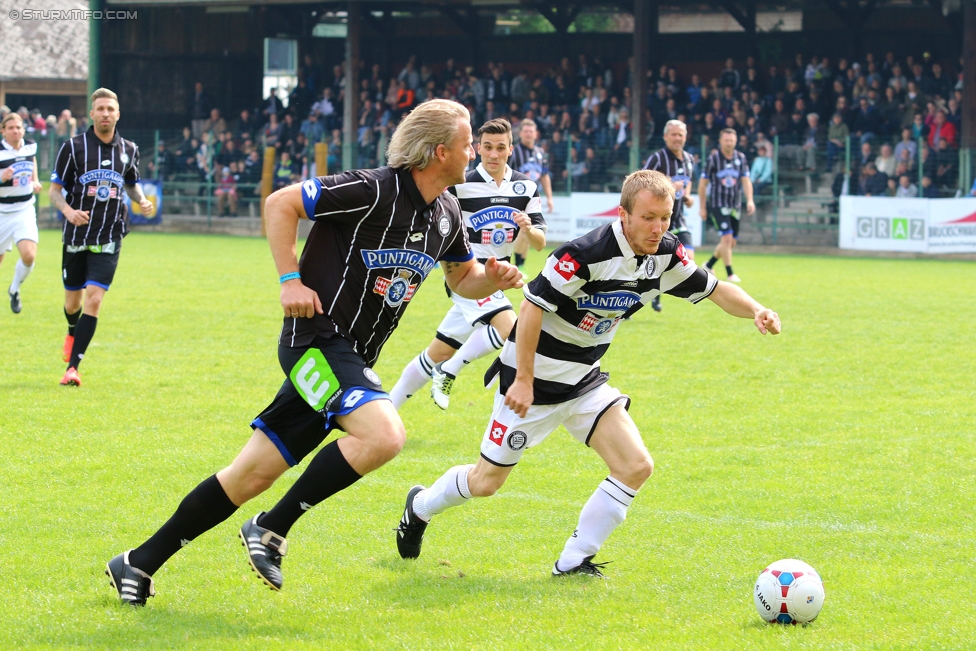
x=449, y=491
x=605, y=509
x=21, y=271
x=483, y=341
x=414, y=377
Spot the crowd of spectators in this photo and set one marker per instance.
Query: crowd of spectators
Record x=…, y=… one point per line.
x=878, y=109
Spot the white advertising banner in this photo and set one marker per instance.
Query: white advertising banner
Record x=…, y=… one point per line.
x=952, y=226
x=581, y=212
x=909, y=225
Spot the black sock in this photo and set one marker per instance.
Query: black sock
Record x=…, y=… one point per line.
x=711, y=262
x=328, y=474
x=519, y=259
x=84, y=331
x=72, y=321
x=728, y=269
x=202, y=509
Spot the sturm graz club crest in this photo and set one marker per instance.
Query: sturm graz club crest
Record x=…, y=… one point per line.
x=397, y=289
x=103, y=191
x=517, y=440
x=371, y=376
x=603, y=326
x=518, y=187
x=499, y=236
x=444, y=226
x=649, y=267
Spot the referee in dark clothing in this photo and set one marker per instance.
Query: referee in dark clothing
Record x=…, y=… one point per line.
x=674, y=162
x=377, y=235
x=93, y=168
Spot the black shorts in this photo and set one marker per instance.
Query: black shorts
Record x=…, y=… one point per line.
x=325, y=380
x=685, y=238
x=725, y=224
x=89, y=265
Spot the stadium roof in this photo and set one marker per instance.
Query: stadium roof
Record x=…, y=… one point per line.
x=43, y=49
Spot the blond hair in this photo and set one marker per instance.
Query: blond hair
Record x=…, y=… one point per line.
x=435, y=122
x=10, y=117
x=657, y=184
x=103, y=92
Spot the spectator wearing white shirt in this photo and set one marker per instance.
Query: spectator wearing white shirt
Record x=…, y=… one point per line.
x=886, y=161
x=905, y=187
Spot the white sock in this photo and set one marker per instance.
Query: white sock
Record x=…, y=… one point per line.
x=21, y=271
x=482, y=341
x=605, y=509
x=414, y=377
x=448, y=491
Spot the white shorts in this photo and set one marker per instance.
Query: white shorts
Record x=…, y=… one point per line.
x=508, y=436
x=467, y=314
x=17, y=226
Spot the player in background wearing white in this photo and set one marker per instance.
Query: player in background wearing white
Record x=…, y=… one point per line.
x=728, y=172
x=673, y=161
x=495, y=203
x=549, y=370
x=531, y=160
x=18, y=185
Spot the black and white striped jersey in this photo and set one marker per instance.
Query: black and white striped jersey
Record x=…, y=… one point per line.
x=585, y=290
x=725, y=179
x=531, y=161
x=488, y=210
x=94, y=175
x=680, y=171
x=19, y=190
x=373, y=243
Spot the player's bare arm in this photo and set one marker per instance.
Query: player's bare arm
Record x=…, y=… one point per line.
x=546, y=182
x=702, y=189
x=734, y=300
x=135, y=194
x=473, y=280
x=520, y=395
x=36, y=182
x=747, y=191
x=535, y=236
x=283, y=210
x=76, y=217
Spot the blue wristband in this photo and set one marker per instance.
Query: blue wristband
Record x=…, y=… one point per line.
x=292, y=276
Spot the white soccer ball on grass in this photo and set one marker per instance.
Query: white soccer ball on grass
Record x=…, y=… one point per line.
x=789, y=592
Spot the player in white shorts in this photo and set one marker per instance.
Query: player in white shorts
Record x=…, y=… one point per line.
x=499, y=206
x=18, y=185
x=549, y=369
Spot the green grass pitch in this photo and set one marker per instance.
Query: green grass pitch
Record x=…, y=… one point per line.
x=848, y=442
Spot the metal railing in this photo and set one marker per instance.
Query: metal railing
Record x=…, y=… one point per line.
x=589, y=161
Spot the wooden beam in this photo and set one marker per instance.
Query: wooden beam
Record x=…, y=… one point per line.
x=572, y=13
x=377, y=25
x=350, y=110
x=463, y=19
x=739, y=16
x=561, y=16
x=968, y=105
x=645, y=22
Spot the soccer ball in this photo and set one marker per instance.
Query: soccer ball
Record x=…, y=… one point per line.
x=789, y=592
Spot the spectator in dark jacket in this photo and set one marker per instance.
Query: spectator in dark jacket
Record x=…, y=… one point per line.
x=199, y=109
x=730, y=76
x=873, y=182
x=867, y=122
